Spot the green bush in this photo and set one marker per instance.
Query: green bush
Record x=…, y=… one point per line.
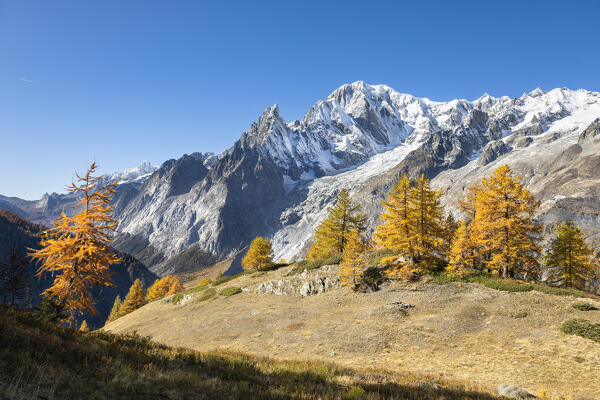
x=488, y=280
x=314, y=264
x=583, y=328
x=220, y=279
x=355, y=393
x=520, y=314
x=178, y=296
x=509, y=285
x=230, y=291
x=372, y=277
x=560, y=291
x=585, y=307
x=374, y=257
x=207, y=295
x=441, y=278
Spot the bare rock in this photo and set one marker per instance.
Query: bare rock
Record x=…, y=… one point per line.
x=307, y=283
x=591, y=133
x=492, y=151
x=514, y=392
x=399, y=305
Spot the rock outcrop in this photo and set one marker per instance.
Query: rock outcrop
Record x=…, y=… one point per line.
x=592, y=133
x=492, y=151
x=307, y=283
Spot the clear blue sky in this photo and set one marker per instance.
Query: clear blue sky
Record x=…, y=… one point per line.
x=126, y=81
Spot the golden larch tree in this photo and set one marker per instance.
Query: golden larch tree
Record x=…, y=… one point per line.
x=331, y=236
x=114, y=312
x=84, y=327
x=450, y=227
x=428, y=221
x=397, y=229
x=413, y=227
x=503, y=226
x=75, y=250
x=461, y=252
x=467, y=205
x=168, y=285
x=568, y=258
x=259, y=255
x=158, y=289
x=352, y=265
x=175, y=285
x=135, y=299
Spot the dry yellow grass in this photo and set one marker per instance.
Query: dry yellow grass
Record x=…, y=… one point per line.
x=191, y=279
x=459, y=331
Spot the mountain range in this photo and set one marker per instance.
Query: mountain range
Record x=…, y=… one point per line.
x=280, y=178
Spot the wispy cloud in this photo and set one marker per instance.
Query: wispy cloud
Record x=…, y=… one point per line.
x=26, y=80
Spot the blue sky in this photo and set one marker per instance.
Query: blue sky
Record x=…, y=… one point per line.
x=124, y=81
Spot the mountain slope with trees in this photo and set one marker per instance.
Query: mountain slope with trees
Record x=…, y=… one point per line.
x=20, y=234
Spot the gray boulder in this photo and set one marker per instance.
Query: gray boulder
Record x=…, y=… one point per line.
x=514, y=392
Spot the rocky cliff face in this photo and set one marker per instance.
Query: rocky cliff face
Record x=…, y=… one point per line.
x=280, y=178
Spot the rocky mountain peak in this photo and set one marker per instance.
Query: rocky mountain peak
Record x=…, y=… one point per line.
x=592, y=133
x=537, y=92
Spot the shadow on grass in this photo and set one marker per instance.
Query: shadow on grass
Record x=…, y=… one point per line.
x=46, y=361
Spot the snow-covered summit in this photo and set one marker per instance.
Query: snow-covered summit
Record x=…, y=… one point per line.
x=357, y=121
x=135, y=174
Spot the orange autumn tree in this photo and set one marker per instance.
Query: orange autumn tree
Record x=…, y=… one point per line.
x=75, y=251
x=461, y=255
x=175, y=285
x=569, y=258
x=165, y=286
x=396, y=230
x=413, y=227
x=503, y=227
x=84, y=327
x=136, y=298
x=428, y=223
x=332, y=235
x=259, y=255
x=353, y=265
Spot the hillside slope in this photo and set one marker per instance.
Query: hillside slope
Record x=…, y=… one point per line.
x=45, y=361
x=459, y=330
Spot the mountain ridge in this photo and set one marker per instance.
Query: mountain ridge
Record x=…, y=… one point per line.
x=280, y=177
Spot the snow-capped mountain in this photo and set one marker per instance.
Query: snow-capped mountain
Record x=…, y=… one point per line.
x=136, y=174
x=280, y=178
x=48, y=208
